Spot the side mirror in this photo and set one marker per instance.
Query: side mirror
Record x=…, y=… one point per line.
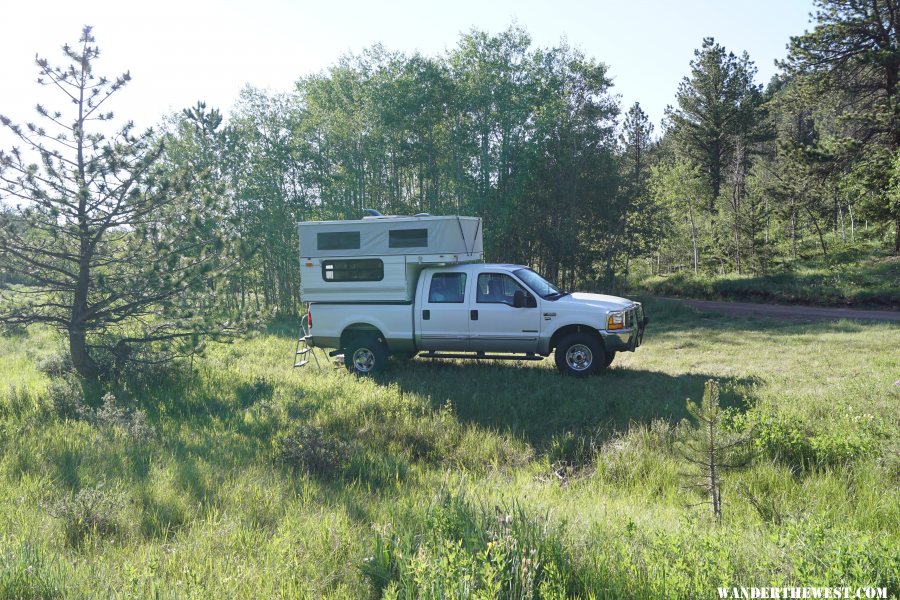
x=519, y=299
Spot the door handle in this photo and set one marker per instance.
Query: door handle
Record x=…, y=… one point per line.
x=473, y=314
x=426, y=315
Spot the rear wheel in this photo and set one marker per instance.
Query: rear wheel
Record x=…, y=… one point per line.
x=365, y=355
x=580, y=355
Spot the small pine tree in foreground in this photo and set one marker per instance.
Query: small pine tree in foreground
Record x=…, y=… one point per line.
x=710, y=448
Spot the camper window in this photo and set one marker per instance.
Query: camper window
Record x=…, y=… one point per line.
x=408, y=238
x=364, y=269
x=338, y=240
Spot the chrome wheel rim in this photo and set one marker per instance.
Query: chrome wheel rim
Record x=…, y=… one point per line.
x=363, y=360
x=579, y=357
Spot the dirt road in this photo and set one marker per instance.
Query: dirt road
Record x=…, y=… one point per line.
x=792, y=312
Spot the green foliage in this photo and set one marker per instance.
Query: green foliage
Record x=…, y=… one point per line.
x=849, y=437
x=465, y=551
x=712, y=448
x=716, y=111
x=201, y=509
x=844, y=559
x=850, y=61
x=66, y=396
x=25, y=573
x=54, y=364
x=854, y=277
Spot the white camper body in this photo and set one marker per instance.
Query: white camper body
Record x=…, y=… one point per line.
x=378, y=259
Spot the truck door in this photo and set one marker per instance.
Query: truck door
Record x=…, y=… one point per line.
x=496, y=323
x=442, y=317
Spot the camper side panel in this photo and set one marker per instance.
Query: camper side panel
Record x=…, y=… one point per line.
x=355, y=280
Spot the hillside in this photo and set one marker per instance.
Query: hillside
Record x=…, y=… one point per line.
x=861, y=277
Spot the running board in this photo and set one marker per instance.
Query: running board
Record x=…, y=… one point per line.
x=480, y=356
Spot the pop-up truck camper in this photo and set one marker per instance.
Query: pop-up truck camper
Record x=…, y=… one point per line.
x=378, y=259
x=386, y=285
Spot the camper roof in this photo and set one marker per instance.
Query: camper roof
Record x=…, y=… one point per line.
x=386, y=235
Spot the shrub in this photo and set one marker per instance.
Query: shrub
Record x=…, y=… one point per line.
x=66, y=396
x=311, y=449
x=132, y=422
x=805, y=444
x=54, y=364
x=87, y=513
x=68, y=402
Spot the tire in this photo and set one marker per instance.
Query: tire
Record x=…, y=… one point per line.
x=609, y=358
x=366, y=355
x=580, y=355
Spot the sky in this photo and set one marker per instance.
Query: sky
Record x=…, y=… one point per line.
x=182, y=52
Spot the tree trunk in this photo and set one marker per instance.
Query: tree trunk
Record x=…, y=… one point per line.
x=815, y=223
x=896, y=235
x=694, y=238
x=81, y=360
x=794, y=234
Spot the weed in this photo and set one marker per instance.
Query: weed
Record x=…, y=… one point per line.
x=789, y=438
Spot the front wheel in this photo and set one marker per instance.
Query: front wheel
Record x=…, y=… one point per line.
x=580, y=355
x=366, y=356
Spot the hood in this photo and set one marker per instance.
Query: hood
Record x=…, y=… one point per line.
x=598, y=300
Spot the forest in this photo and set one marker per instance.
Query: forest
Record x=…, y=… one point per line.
x=741, y=178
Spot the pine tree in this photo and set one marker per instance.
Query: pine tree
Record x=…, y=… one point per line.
x=853, y=56
x=121, y=255
x=711, y=449
x=716, y=107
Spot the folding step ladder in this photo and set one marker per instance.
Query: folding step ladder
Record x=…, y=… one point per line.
x=303, y=350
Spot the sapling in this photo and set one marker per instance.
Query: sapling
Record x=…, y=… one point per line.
x=710, y=448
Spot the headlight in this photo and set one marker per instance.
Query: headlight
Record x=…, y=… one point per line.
x=615, y=320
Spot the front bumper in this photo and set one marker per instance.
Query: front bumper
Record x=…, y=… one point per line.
x=628, y=339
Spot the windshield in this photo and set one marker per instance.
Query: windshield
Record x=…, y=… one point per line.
x=541, y=286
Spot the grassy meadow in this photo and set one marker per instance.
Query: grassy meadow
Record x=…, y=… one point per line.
x=247, y=478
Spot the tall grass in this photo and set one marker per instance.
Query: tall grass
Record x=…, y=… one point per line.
x=246, y=478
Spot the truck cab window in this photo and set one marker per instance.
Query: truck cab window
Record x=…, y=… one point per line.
x=447, y=288
x=497, y=288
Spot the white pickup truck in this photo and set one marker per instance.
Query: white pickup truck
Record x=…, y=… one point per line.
x=479, y=311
